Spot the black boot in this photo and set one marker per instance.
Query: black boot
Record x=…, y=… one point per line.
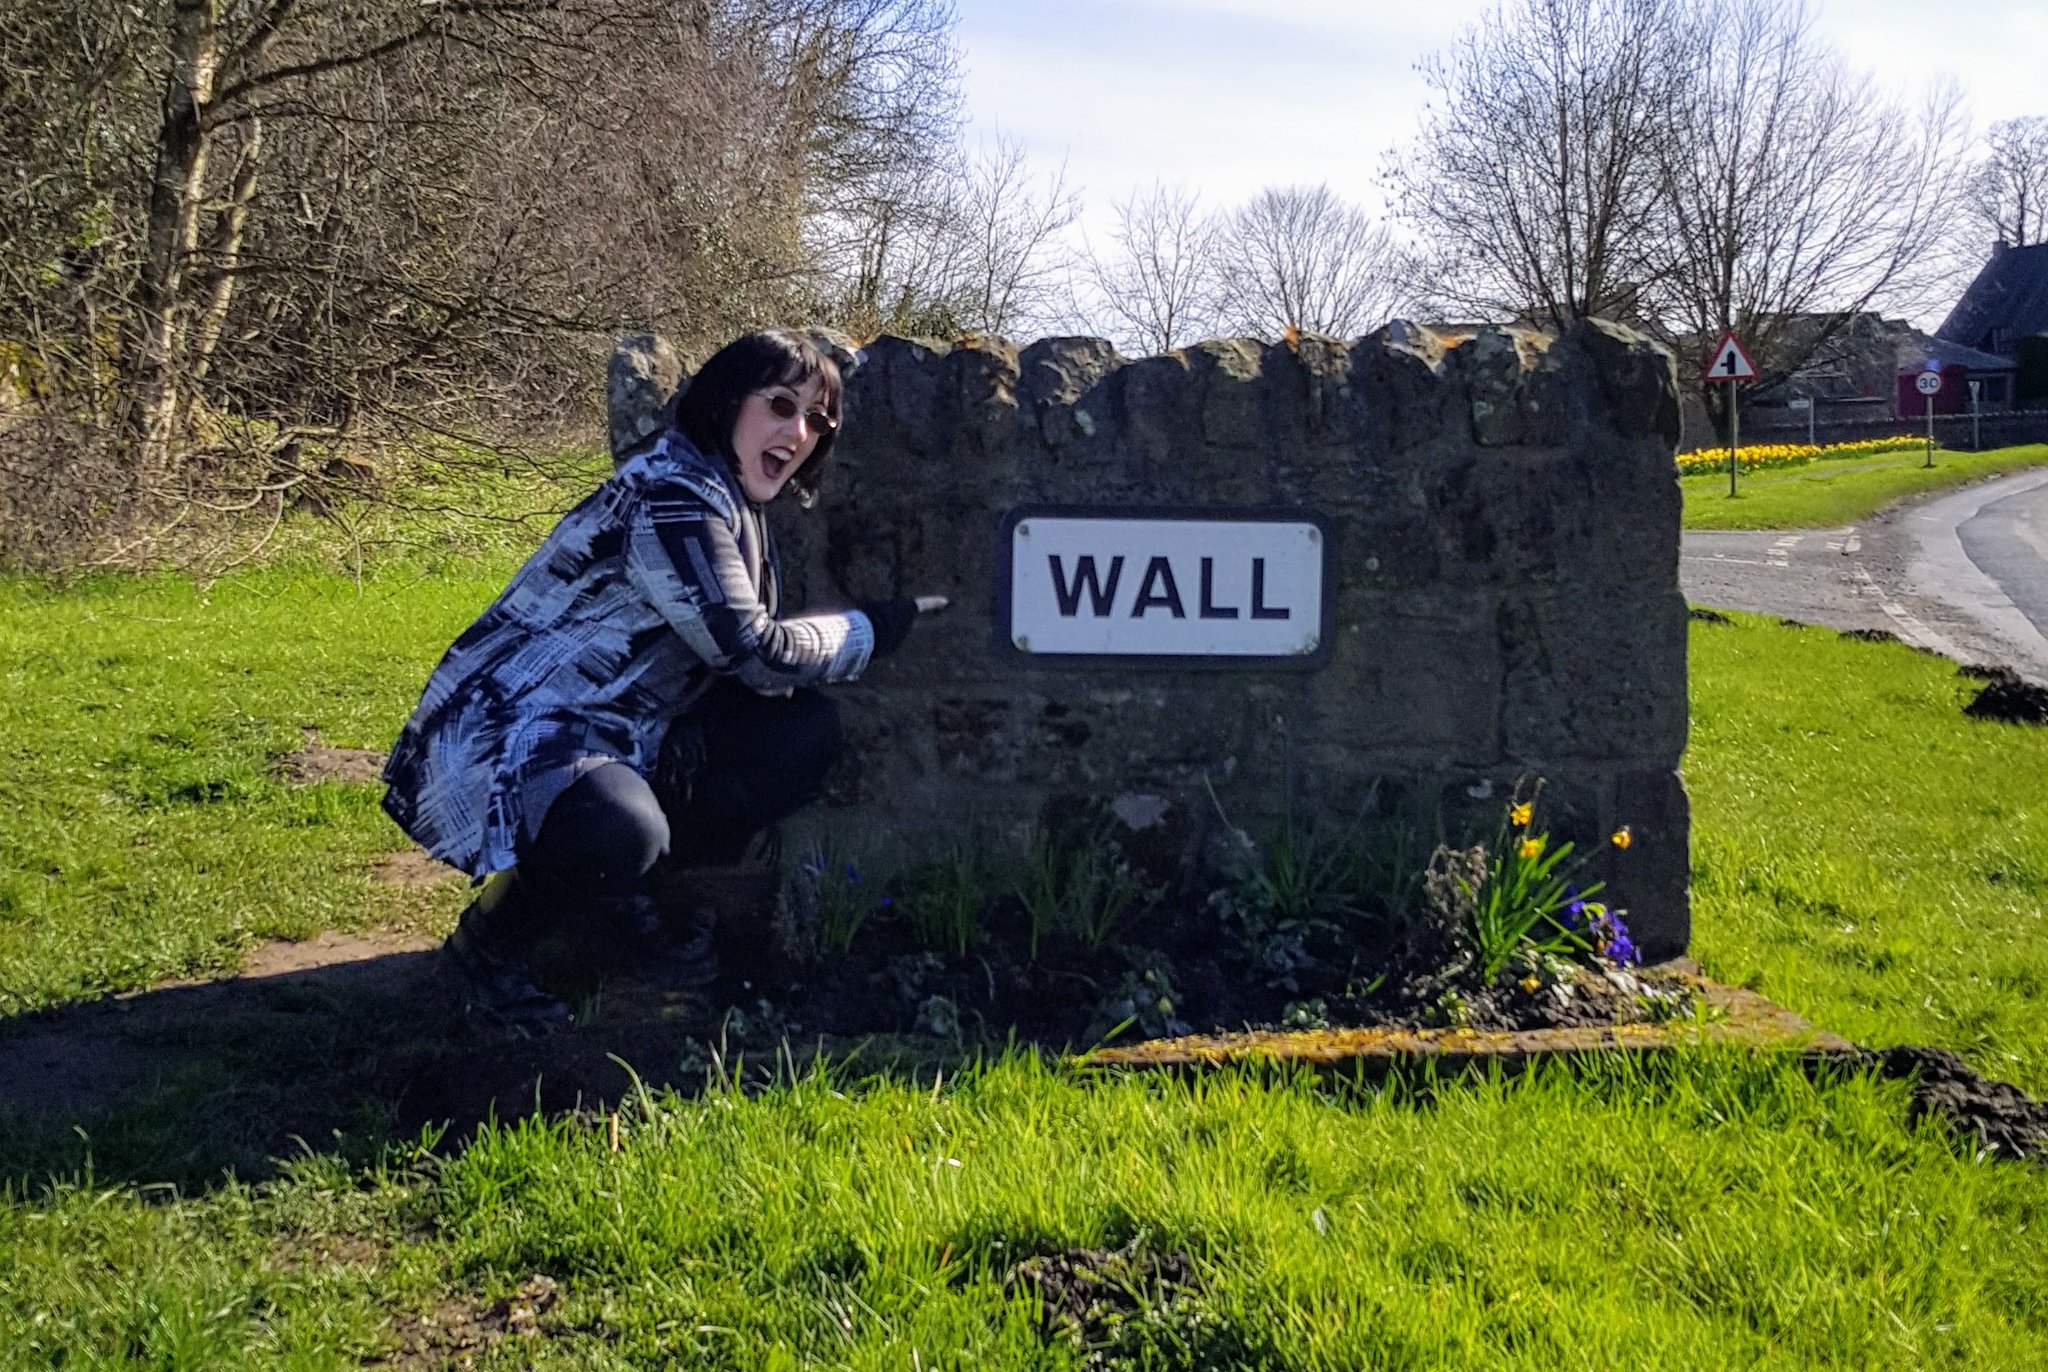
x=665, y=952
x=734, y=903
x=491, y=950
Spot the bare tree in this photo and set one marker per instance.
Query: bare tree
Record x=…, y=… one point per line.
x=1011, y=265
x=1532, y=183
x=1298, y=258
x=1795, y=188
x=1157, y=282
x=2009, y=190
x=298, y=216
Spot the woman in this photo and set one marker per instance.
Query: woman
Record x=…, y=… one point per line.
x=650, y=613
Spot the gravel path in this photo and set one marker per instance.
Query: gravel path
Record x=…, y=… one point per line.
x=1964, y=573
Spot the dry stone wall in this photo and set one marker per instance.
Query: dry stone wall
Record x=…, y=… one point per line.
x=1503, y=525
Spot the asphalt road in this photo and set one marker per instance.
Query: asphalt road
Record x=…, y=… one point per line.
x=1964, y=574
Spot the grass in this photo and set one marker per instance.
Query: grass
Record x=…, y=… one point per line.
x=1865, y=854
x=1717, y=1212
x=1826, y=495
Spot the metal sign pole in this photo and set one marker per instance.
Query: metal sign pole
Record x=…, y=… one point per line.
x=1930, y=431
x=1976, y=419
x=1734, y=433
x=1811, y=411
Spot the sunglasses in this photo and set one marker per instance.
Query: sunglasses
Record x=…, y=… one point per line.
x=785, y=407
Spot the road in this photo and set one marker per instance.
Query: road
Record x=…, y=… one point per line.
x=1964, y=574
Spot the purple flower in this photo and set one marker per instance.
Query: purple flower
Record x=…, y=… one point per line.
x=1619, y=946
x=853, y=874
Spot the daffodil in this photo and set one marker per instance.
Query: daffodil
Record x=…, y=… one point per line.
x=1520, y=815
x=1531, y=848
x=1621, y=838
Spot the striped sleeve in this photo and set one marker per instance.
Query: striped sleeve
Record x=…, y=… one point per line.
x=685, y=559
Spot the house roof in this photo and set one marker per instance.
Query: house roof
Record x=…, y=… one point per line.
x=2010, y=292
x=1919, y=348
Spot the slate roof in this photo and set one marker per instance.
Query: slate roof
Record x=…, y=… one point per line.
x=1917, y=349
x=2010, y=293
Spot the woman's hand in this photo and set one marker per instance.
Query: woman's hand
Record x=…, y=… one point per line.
x=892, y=620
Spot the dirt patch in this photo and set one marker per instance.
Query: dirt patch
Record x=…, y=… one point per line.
x=458, y=1333
x=1130, y=1308
x=328, y=950
x=314, y=762
x=1872, y=635
x=79, y=1059
x=1991, y=1117
x=2008, y=698
x=412, y=868
x=1699, y=614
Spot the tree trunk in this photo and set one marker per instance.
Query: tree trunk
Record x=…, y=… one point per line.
x=172, y=235
x=224, y=251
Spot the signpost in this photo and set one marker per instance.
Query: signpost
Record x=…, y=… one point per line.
x=1731, y=365
x=1976, y=418
x=1806, y=403
x=1928, y=383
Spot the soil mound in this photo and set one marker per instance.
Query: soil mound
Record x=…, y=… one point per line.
x=1993, y=1117
x=2008, y=698
x=1131, y=1308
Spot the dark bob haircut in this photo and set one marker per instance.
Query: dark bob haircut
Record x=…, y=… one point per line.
x=706, y=410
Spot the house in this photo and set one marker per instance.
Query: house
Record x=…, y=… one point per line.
x=2005, y=313
x=1863, y=368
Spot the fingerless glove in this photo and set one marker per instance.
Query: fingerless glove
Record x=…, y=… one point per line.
x=892, y=620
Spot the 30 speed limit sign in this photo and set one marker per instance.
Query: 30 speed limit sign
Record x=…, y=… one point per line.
x=1927, y=383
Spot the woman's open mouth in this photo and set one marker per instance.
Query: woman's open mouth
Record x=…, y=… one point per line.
x=774, y=464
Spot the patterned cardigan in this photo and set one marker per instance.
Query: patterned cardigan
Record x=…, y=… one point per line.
x=661, y=580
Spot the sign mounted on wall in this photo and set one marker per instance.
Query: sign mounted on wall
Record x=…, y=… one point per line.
x=1199, y=588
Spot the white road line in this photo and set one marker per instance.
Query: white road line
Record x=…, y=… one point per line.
x=1911, y=629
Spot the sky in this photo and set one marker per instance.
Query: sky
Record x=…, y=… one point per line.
x=1227, y=96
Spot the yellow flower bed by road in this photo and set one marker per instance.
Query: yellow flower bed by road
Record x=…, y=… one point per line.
x=1759, y=457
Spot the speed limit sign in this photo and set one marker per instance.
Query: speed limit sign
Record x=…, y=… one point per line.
x=1927, y=383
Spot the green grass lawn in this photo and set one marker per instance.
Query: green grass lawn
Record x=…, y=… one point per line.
x=1827, y=494
x=1865, y=854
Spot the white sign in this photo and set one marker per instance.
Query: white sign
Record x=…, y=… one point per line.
x=1730, y=362
x=1927, y=383
x=1161, y=587
x=1799, y=404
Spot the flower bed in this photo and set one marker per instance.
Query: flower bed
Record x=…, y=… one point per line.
x=1077, y=941
x=1762, y=457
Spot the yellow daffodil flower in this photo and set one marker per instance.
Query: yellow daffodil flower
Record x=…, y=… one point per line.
x=1622, y=838
x=1531, y=848
x=1520, y=815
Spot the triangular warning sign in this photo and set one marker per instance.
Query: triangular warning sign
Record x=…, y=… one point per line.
x=1730, y=362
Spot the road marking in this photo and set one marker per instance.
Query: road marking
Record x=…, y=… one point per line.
x=1854, y=543
x=1910, y=629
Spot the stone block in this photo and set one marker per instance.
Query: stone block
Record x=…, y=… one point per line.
x=1502, y=518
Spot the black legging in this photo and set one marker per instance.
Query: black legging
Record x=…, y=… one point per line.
x=735, y=764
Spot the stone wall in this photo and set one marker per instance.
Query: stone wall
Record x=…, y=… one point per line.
x=1504, y=526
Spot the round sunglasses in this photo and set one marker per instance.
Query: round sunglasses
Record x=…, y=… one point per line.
x=784, y=406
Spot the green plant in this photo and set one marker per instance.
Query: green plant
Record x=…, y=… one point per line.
x=942, y=901
x=838, y=892
x=1527, y=897
x=1078, y=890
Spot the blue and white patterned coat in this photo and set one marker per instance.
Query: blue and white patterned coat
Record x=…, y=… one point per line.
x=660, y=581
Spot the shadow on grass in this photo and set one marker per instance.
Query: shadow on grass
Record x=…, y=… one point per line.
x=192, y=1084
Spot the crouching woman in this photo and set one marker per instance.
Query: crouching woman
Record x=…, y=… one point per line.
x=634, y=695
